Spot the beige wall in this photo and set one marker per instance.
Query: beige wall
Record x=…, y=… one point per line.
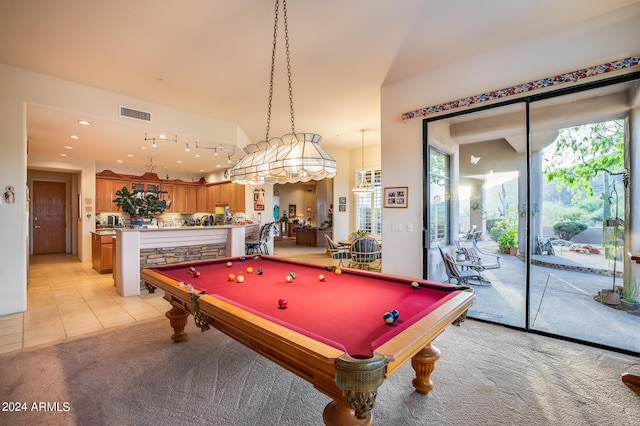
x=611, y=37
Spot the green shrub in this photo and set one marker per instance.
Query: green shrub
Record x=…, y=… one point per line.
x=569, y=229
x=496, y=233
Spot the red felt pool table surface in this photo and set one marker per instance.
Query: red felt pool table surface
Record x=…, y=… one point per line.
x=344, y=311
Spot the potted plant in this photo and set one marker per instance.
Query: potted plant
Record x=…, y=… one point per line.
x=508, y=242
x=138, y=206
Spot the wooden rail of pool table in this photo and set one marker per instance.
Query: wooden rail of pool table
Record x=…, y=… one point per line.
x=308, y=358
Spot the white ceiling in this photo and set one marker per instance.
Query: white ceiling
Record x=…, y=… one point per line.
x=213, y=58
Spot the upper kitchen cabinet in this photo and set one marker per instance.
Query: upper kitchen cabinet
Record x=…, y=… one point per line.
x=106, y=192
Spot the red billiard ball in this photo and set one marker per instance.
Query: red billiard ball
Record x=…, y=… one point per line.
x=282, y=303
x=288, y=278
x=231, y=277
x=196, y=274
x=321, y=277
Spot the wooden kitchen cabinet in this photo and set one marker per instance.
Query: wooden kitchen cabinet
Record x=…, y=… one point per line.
x=201, y=199
x=106, y=193
x=102, y=252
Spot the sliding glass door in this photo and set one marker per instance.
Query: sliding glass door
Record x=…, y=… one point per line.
x=532, y=211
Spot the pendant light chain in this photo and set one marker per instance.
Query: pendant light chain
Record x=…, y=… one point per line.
x=273, y=65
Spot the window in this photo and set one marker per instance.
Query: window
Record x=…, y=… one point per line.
x=368, y=207
x=439, y=181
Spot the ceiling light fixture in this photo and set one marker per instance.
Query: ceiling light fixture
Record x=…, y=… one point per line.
x=295, y=157
x=161, y=137
x=186, y=149
x=84, y=122
x=363, y=186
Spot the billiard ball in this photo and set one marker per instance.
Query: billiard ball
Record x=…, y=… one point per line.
x=338, y=271
x=293, y=275
x=243, y=258
x=395, y=314
x=260, y=271
x=288, y=278
x=196, y=274
x=321, y=277
x=388, y=318
x=231, y=277
x=229, y=264
x=282, y=303
x=192, y=270
x=249, y=270
x=414, y=284
x=240, y=279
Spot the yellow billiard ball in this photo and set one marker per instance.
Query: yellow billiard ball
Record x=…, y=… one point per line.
x=249, y=269
x=338, y=271
x=229, y=264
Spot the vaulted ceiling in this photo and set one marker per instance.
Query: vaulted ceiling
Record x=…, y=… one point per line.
x=213, y=57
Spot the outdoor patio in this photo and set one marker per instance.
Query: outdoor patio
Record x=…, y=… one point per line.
x=564, y=289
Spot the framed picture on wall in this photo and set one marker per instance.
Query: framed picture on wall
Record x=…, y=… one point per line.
x=342, y=200
x=342, y=207
x=396, y=197
x=292, y=211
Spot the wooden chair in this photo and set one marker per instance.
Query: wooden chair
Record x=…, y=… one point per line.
x=365, y=254
x=456, y=272
x=259, y=246
x=339, y=253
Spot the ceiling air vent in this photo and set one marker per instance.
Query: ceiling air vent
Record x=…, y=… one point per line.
x=133, y=113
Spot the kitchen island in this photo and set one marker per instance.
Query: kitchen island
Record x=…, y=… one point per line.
x=150, y=247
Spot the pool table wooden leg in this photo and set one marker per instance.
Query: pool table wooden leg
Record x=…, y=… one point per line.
x=178, y=320
x=339, y=413
x=423, y=364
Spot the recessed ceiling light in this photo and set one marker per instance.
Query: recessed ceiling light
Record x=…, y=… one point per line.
x=68, y=147
x=218, y=165
x=201, y=170
x=84, y=122
x=143, y=147
x=63, y=155
x=130, y=155
x=119, y=161
x=197, y=155
x=74, y=137
x=179, y=161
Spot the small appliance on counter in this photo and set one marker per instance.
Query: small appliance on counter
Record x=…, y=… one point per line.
x=113, y=221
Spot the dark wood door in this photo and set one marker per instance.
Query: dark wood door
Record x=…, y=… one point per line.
x=49, y=211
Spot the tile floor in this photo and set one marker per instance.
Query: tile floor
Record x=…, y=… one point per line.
x=66, y=298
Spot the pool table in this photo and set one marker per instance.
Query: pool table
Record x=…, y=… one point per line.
x=330, y=332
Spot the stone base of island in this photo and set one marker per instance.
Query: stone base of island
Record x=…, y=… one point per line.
x=140, y=248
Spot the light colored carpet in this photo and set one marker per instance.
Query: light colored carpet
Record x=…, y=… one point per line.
x=488, y=375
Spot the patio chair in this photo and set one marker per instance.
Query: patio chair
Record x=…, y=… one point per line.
x=474, y=254
x=365, y=254
x=259, y=246
x=456, y=272
x=339, y=253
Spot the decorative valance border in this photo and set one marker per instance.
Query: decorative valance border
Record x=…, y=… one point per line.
x=570, y=77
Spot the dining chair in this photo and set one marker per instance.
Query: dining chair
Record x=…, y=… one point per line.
x=365, y=254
